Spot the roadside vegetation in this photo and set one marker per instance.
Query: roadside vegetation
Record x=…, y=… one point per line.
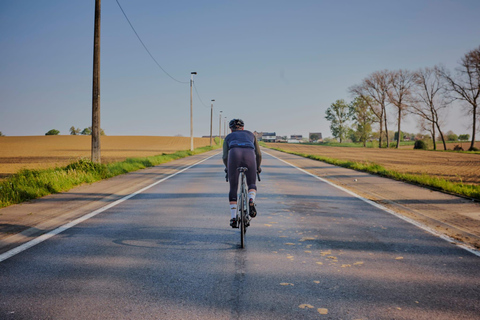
x=467, y=190
x=31, y=184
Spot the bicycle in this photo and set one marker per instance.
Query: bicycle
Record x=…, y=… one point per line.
x=243, y=208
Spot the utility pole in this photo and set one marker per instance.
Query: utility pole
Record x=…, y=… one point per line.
x=220, y=127
x=96, y=87
x=211, y=121
x=191, y=111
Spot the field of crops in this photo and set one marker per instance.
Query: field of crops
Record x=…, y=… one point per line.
x=453, y=166
x=35, y=152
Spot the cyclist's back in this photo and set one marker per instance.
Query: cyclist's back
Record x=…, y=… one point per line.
x=241, y=149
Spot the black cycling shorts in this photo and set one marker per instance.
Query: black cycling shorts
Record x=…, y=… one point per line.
x=241, y=157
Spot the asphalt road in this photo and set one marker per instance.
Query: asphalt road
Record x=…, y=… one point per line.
x=313, y=252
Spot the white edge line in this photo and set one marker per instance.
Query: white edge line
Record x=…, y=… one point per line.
x=398, y=215
x=4, y=256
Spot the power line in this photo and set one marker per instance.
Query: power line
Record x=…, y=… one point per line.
x=143, y=44
x=199, y=96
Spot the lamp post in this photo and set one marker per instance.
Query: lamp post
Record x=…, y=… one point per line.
x=211, y=121
x=191, y=111
x=220, y=127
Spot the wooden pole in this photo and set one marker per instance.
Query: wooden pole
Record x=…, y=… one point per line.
x=96, y=87
x=211, y=125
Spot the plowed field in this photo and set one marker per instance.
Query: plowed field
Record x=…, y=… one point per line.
x=34, y=152
x=458, y=167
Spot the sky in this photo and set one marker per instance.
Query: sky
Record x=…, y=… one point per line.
x=278, y=65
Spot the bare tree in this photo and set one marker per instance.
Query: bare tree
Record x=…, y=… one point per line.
x=374, y=91
x=465, y=85
x=429, y=101
x=400, y=94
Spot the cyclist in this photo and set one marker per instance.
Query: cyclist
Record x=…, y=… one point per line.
x=241, y=149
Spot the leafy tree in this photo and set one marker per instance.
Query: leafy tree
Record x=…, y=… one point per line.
x=314, y=137
x=464, y=137
x=74, y=131
x=87, y=131
x=363, y=116
x=339, y=113
x=451, y=136
x=1, y=134
x=53, y=132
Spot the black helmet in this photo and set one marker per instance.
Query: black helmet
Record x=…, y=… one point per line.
x=236, y=123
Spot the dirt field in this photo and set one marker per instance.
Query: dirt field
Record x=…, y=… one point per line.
x=458, y=167
x=34, y=152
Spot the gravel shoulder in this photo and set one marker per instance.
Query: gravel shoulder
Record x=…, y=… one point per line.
x=453, y=216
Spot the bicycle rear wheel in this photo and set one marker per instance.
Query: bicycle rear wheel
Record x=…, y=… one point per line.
x=242, y=206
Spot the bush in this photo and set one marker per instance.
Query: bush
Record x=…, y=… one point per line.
x=420, y=144
x=52, y=132
x=457, y=148
x=473, y=149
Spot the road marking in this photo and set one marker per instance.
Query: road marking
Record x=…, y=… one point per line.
x=4, y=256
x=379, y=206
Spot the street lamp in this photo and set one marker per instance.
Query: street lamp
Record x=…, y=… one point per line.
x=211, y=121
x=191, y=111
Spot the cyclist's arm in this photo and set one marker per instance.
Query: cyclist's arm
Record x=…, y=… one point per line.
x=225, y=153
x=258, y=153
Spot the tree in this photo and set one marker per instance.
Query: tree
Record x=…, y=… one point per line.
x=401, y=83
x=364, y=117
x=52, y=132
x=74, y=131
x=374, y=90
x=314, y=137
x=462, y=137
x=465, y=85
x=451, y=136
x=1, y=134
x=87, y=131
x=338, y=114
x=429, y=101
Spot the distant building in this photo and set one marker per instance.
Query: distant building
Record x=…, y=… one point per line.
x=265, y=136
x=317, y=135
x=298, y=137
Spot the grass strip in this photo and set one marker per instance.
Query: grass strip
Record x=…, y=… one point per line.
x=30, y=184
x=467, y=190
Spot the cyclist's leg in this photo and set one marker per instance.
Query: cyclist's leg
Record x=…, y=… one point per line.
x=251, y=174
x=234, y=156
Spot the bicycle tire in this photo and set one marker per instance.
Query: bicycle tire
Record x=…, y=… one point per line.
x=242, y=210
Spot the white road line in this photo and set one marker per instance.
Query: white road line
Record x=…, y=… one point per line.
x=4, y=256
x=398, y=215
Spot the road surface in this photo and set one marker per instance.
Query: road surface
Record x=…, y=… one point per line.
x=313, y=252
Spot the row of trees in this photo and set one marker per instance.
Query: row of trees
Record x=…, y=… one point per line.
x=87, y=131
x=74, y=131
x=425, y=93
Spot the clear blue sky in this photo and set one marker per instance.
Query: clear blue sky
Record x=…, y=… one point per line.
x=278, y=65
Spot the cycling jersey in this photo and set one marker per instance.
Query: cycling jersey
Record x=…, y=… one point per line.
x=241, y=149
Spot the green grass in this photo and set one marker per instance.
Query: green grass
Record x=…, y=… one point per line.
x=31, y=184
x=467, y=190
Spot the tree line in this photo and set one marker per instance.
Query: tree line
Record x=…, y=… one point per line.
x=74, y=131
x=425, y=93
